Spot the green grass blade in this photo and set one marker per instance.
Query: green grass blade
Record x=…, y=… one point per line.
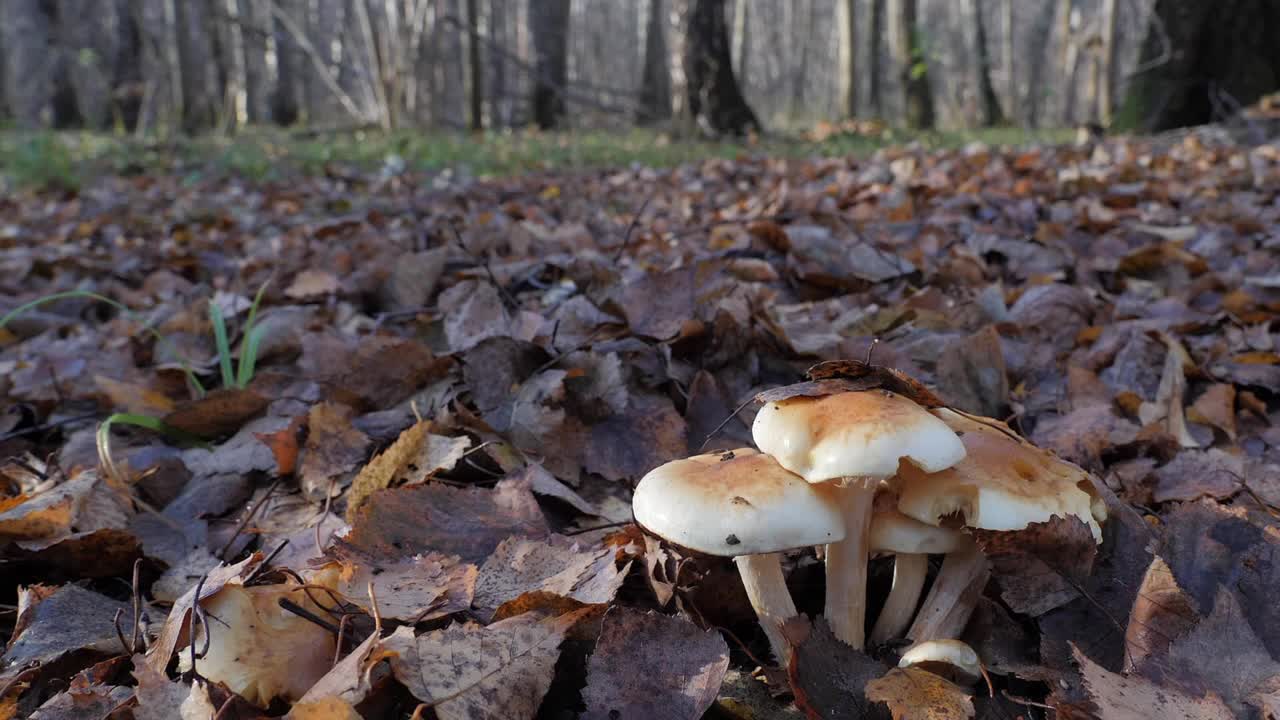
x=249, y=355
x=223, y=345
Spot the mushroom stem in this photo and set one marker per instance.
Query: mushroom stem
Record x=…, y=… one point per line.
x=846, y=601
x=953, y=597
x=909, y=570
x=767, y=590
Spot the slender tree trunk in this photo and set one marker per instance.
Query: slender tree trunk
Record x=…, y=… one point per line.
x=29, y=75
x=475, y=65
x=236, y=94
x=846, y=19
x=259, y=42
x=988, y=101
x=1040, y=49
x=1107, y=94
x=291, y=61
x=1006, y=57
x=912, y=65
x=1069, y=54
x=741, y=36
x=549, y=25
x=655, y=79
x=499, y=103
x=89, y=33
x=715, y=101
x=875, y=64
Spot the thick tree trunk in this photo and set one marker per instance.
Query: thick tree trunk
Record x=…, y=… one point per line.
x=846, y=19
x=913, y=67
x=28, y=72
x=549, y=25
x=259, y=41
x=1224, y=53
x=655, y=79
x=715, y=100
x=1039, y=62
x=235, y=101
x=875, y=66
x=89, y=33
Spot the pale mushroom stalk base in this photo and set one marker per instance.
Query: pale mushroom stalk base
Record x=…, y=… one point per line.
x=953, y=597
x=846, y=601
x=909, y=571
x=767, y=590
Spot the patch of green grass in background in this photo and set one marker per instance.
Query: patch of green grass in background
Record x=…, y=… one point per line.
x=65, y=160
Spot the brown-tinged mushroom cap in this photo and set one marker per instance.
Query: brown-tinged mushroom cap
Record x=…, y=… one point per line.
x=735, y=503
x=1003, y=483
x=854, y=434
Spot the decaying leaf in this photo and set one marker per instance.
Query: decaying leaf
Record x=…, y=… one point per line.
x=175, y=624
x=333, y=449
x=829, y=678
x=468, y=671
x=53, y=622
x=1120, y=697
x=648, y=666
x=915, y=694
x=413, y=589
x=1039, y=567
x=553, y=564
x=411, y=459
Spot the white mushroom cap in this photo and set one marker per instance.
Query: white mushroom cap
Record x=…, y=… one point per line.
x=737, y=503
x=1003, y=483
x=956, y=656
x=854, y=434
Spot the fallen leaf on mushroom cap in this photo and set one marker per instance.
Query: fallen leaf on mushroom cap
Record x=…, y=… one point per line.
x=468, y=522
x=53, y=623
x=915, y=694
x=413, y=589
x=1039, y=567
x=553, y=564
x=333, y=449
x=1118, y=697
x=829, y=678
x=648, y=666
x=467, y=671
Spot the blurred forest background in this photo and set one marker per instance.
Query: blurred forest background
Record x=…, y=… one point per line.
x=165, y=67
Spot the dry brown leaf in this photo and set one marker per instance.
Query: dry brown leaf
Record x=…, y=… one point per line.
x=175, y=624
x=972, y=373
x=285, y=445
x=554, y=564
x=1161, y=613
x=257, y=648
x=327, y=709
x=467, y=671
x=384, y=467
x=1194, y=474
x=1040, y=567
x=468, y=522
x=48, y=514
x=1120, y=697
x=52, y=623
x=1216, y=406
x=220, y=412
x=333, y=450
x=415, y=589
x=159, y=698
x=648, y=666
x=347, y=680
x=828, y=676
x=377, y=371
x=133, y=398
x=79, y=703
x=915, y=694
x=312, y=283
x=1167, y=406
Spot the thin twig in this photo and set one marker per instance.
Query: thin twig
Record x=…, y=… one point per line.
x=635, y=220
x=598, y=527
x=243, y=523
x=48, y=426
x=306, y=614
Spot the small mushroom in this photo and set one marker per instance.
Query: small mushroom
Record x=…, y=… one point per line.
x=852, y=441
x=741, y=504
x=911, y=542
x=1003, y=483
x=949, y=659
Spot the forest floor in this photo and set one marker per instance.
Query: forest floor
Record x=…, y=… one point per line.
x=361, y=442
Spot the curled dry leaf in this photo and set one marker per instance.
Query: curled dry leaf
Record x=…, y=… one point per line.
x=333, y=449
x=52, y=623
x=256, y=647
x=327, y=709
x=1120, y=697
x=915, y=694
x=175, y=624
x=414, y=457
x=553, y=564
x=78, y=703
x=349, y=679
x=648, y=666
x=1161, y=613
x=467, y=671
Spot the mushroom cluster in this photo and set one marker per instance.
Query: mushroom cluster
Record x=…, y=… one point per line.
x=864, y=470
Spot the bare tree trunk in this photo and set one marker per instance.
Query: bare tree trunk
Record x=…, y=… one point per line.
x=162, y=107
x=1107, y=94
x=549, y=25
x=1069, y=54
x=1204, y=59
x=475, y=65
x=289, y=98
x=741, y=36
x=848, y=56
x=499, y=103
x=913, y=66
x=655, y=79
x=259, y=41
x=875, y=66
x=988, y=102
x=89, y=33
x=1040, y=49
x=235, y=106
x=29, y=75
x=715, y=100
x=1006, y=57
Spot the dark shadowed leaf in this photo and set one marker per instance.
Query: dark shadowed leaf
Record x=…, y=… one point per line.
x=829, y=678
x=53, y=623
x=1039, y=568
